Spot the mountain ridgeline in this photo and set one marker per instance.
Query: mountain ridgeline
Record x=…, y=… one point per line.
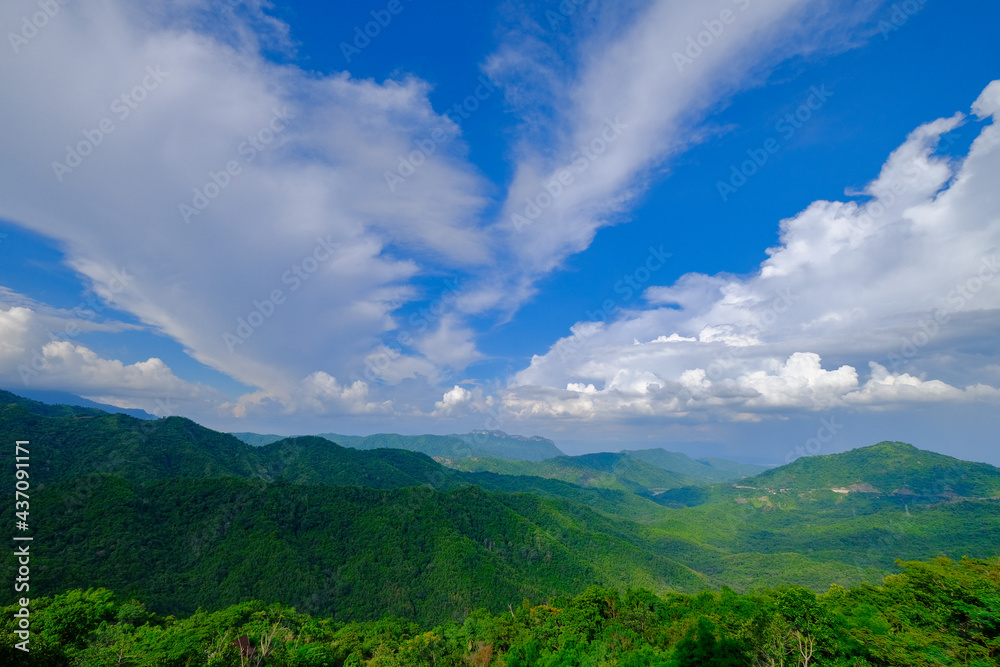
x=184, y=517
x=646, y=472
x=893, y=469
x=478, y=443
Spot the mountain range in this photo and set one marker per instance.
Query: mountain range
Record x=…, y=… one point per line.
x=475, y=444
x=186, y=517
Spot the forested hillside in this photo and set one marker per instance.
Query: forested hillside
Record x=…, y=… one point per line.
x=932, y=613
x=184, y=518
x=349, y=552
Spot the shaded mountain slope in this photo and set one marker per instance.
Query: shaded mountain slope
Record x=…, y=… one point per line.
x=351, y=552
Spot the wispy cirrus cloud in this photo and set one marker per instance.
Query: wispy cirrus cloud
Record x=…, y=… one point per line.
x=605, y=114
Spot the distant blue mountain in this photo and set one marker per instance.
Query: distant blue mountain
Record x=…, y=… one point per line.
x=493, y=444
x=66, y=398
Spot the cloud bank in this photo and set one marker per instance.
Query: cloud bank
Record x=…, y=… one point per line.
x=900, y=288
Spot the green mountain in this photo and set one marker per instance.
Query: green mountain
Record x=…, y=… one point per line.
x=40, y=408
x=121, y=502
x=888, y=468
x=647, y=473
x=66, y=398
x=78, y=445
x=496, y=444
x=316, y=460
x=605, y=470
x=184, y=516
x=431, y=445
x=81, y=441
x=710, y=469
x=348, y=552
x=847, y=509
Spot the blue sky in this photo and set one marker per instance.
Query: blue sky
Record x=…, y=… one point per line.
x=742, y=228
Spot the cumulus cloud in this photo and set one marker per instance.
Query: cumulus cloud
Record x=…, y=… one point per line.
x=246, y=202
x=40, y=352
x=885, y=388
x=902, y=283
x=455, y=401
x=247, y=199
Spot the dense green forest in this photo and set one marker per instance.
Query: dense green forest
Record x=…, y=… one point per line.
x=351, y=552
x=393, y=551
x=931, y=613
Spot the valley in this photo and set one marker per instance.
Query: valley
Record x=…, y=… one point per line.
x=184, y=519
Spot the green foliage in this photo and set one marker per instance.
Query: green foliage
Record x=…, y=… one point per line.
x=890, y=469
x=700, y=648
x=178, y=519
x=46, y=410
x=939, y=612
x=351, y=552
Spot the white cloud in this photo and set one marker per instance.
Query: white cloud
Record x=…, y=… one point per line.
x=799, y=382
x=39, y=352
x=222, y=178
x=454, y=402
x=885, y=388
x=605, y=114
x=450, y=345
x=301, y=255
x=905, y=284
